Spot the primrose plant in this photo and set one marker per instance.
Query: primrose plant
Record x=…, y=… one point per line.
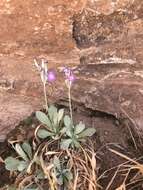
x=23, y=163
x=54, y=126
x=23, y=160
x=63, y=175
x=75, y=134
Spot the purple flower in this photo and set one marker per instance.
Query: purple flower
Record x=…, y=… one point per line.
x=69, y=75
x=67, y=71
x=51, y=77
x=71, y=78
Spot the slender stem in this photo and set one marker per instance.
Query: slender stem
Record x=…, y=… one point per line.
x=45, y=96
x=70, y=104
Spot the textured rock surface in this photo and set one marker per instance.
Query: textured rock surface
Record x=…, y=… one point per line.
x=111, y=43
x=102, y=40
x=35, y=27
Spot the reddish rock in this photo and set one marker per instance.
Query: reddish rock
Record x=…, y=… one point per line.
x=102, y=40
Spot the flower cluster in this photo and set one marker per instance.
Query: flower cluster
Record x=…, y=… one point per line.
x=69, y=76
x=50, y=76
x=46, y=76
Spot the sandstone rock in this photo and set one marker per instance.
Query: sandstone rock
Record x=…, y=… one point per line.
x=101, y=40
x=33, y=27
x=111, y=58
x=107, y=7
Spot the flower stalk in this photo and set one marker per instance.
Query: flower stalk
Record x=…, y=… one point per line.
x=69, y=80
x=70, y=103
x=46, y=76
x=45, y=96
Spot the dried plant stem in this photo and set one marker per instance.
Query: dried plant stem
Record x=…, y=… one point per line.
x=70, y=104
x=45, y=96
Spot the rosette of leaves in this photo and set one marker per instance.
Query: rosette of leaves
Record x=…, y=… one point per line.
x=63, y=175
x=22, y=162
x=75, y=135
x=52, y=123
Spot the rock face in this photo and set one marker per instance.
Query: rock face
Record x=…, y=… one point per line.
x=110, y=38
x=31, y=29
x=102, y=40
x=36, y=27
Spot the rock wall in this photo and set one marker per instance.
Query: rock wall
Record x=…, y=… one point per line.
x=101, y=39
x=36, y=27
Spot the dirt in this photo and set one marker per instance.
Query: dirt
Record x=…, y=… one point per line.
x=110, y=133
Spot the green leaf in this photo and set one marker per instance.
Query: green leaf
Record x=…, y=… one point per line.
x=82, y=139
x=68, y=174
x=11, y=164
x=22, y=165
x=27, y=148
x=55, y=121
x=43, y=133
x=52, y=111
x=87, y=133
x=60, y=115
x=65, y=144
x=43, y=118
x=79, y=128
x=56, y=163
x=21, y=152
x=60, y=180
x=67, y=121
x=40, y=174
x=69, y=132
x=76, y=144
x=63, y=130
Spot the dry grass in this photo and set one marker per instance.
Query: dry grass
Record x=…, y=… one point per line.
x=81, y=162
x=132, y=165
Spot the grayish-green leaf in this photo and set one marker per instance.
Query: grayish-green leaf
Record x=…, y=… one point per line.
x=43, y=118
x=55, y=120
x=65, y=144
x=60, y=115
x=27, y=148
x=79, y=128
x=11, y=164
x=68, y=174
x=56, y=163
x=43, y=133
x=60, y=180
x=69, y=132
x=21, y=152
x=52, y=111
x=87, y=133
x=22, y=165
x=76, y=144
x=40, y=174
x=67, y=121
x=63, y=130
